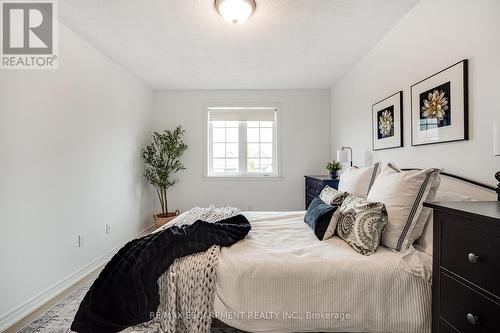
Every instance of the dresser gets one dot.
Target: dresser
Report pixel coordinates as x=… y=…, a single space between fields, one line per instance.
x=466 y=267
x=315 y=184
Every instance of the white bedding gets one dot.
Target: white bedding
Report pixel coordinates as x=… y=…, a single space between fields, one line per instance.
x=281 y=278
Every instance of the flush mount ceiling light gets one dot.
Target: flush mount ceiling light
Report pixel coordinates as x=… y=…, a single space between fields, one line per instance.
x=235 y=11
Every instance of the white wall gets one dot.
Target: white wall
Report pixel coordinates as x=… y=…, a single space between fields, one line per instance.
x=305 y=147
x=70 y=143
x=432 y=36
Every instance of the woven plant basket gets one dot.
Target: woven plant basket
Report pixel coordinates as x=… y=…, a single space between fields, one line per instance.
x=162 y=219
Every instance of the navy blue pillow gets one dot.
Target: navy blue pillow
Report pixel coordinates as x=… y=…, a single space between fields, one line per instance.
x=318 y=216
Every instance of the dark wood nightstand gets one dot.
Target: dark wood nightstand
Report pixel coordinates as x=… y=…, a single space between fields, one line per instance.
x=466 y=267
x=314 y=185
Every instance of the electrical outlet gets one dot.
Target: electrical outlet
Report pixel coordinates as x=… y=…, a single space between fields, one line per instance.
x=107 y=230
x=80 y=241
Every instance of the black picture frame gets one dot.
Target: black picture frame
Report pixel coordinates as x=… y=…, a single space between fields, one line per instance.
x=400 y=142
x=464 y=103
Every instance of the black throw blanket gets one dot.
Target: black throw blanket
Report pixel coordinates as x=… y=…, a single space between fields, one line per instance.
x=126 y=291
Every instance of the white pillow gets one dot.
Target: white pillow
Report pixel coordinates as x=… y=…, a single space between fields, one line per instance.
x=403 y=193
x=335 y=198
x=358 y=181
x=331 y=196
x=332 y=226
x=424 y=243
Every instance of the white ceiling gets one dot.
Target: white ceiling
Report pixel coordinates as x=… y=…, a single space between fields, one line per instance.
x=185 y=44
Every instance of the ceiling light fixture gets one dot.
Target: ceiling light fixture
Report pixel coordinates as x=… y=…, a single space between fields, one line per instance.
x=235 y=11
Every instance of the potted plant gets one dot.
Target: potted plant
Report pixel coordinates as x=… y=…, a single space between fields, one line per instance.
x=334 y=167
x=162 y=157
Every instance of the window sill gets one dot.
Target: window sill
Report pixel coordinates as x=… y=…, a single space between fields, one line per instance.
x=237 y=178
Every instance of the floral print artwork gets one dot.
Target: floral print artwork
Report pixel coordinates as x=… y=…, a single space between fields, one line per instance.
x=435 y=107
x=386 y=122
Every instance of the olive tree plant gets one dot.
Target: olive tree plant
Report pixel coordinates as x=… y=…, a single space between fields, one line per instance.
x=162 y=157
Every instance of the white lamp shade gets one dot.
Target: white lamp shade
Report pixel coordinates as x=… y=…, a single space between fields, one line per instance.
x=496 y=139
x=343 y=156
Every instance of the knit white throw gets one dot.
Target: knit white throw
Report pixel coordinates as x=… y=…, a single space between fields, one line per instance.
x=187 y=287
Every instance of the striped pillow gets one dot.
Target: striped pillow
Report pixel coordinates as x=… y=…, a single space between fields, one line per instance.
x=403 y=193
x=358 y=181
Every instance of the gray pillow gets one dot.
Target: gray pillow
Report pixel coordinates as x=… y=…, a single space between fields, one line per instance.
x=361 y=223
x=318 y=216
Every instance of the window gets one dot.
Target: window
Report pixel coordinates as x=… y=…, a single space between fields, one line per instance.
x=242 y=142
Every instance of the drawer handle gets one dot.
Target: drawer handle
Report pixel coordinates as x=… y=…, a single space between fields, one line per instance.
x=473 y=320
x=473 y=259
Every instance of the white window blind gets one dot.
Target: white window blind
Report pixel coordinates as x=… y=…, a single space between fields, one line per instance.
x=242 y=142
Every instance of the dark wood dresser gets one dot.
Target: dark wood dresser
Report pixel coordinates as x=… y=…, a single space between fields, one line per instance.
x=315 y=184
x=466 y=267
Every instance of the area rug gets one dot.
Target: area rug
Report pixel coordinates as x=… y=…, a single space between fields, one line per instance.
x=58 y=318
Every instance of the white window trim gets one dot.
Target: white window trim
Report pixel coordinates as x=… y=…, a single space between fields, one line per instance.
x=242 y=154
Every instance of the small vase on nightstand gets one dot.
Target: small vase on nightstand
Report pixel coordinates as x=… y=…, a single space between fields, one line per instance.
x=333 y=167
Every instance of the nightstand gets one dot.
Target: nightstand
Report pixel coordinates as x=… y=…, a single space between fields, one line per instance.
x=315 y=184
x=466 y=267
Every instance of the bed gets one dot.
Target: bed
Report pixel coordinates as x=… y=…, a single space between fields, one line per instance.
x=293 y=282
x=280 y=278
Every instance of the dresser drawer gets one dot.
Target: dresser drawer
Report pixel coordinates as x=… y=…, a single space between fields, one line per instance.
x=445 y=328
x=470 y=253
x=313 y=188
x=458 y=302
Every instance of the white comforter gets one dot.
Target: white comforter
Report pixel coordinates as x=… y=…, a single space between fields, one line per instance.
x=281 y=278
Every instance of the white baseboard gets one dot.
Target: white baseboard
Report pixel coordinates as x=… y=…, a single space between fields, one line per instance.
x=13 y=316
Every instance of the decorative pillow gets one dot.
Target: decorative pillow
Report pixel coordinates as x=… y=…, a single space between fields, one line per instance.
x=403 y=193
x=358 y=181
x=360 y=224
x=318 y=216
x=332 y=196
x=424 y=243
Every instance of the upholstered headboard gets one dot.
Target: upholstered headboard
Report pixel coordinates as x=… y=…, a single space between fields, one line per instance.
x=471 y=182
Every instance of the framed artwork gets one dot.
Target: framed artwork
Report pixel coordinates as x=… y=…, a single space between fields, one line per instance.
x=439 y=107
x=387 y=122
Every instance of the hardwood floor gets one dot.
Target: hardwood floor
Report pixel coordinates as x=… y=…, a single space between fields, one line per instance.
x=29 y=318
